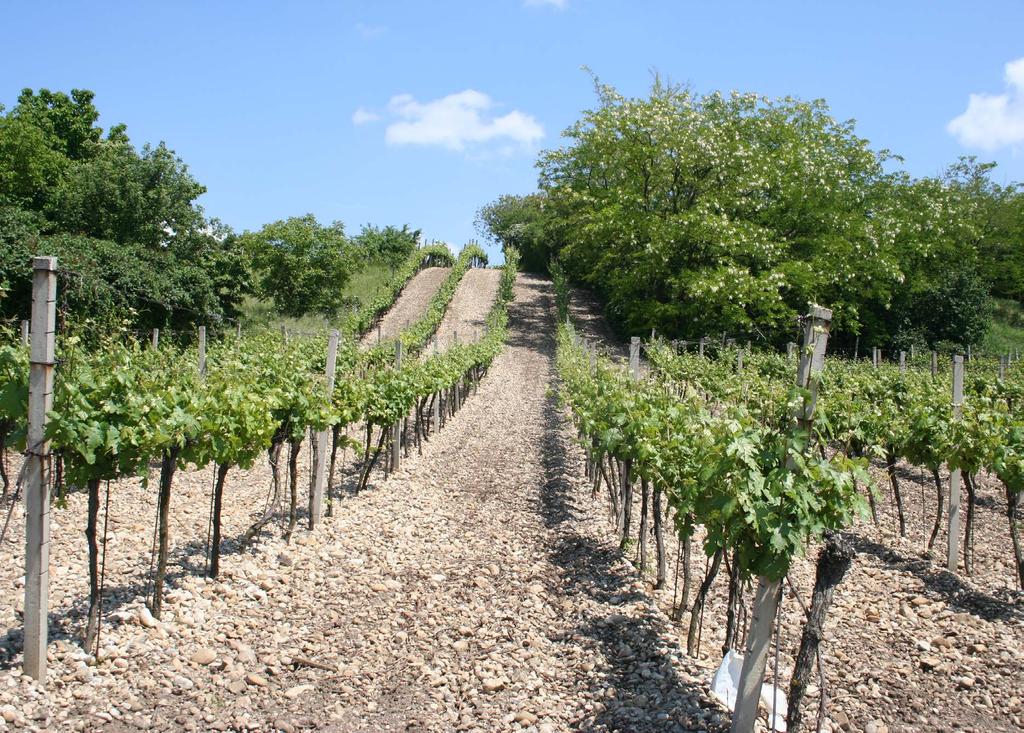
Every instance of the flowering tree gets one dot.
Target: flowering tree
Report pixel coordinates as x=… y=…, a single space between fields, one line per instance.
x=698 y=214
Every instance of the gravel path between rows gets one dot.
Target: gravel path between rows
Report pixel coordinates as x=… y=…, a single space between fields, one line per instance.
x=476 y=589
x=469 y=307
x=410 y=306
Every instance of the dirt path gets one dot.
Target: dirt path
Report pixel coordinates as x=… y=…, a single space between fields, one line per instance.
x=469 y=307
x=411 y=304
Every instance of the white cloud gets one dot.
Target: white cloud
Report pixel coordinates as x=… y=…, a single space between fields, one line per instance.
x=457 y=121
x=560 y=4
x=362 y=116
x=993 y=121
x=370 y=31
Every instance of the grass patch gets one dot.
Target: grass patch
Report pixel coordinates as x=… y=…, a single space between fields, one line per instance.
x=366 y=283
x=1006 y=332
x=362 y=287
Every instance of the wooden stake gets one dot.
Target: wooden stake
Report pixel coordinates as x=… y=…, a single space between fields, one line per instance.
x=952 y=556
x=202 y=352
x=766 y=599
x=436 y=417
x=37 y=473
x=25 y=330
x=935 y=364
x=634 y=357
x=903 y=362
x=396 y=429
x=155 y=338
x=323 y=436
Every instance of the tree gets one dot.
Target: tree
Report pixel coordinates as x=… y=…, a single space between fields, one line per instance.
x=389 y=244
x=701 y=214
x=123 y=196
x=529 y=224
x=302 y=265
x=134 y=246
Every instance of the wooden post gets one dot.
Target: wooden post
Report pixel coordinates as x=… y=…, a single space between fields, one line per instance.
x=739 y=360
x=935 y=364
x=968 y=352
x=202 y=352
x=634 y=357
x=790 y=349
x=284 y=333
x=25 y=331
x=155 y=338
x=323 y=437
x=396 y=429
x=769 y=591
x=952 y=556
x=903 y=362
x=238 y=329
x=856 y=347
x=700 y=346
x=1002 y=368
x=37 y=473
x=436 y=417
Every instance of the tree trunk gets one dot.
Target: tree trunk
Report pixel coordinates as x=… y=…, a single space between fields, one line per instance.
x=644 y=511
x=684 y=599
x=274 y=459
x=168 y=465
x=939 y=494
x=833 y=561
x=92 y=623
x=1012 y=507
x=890 y=467
x=969 y=523
x=3 y=465
x=218 y=505
x=732 y=612
x=626 y=508
x=58 y=478
x=698 y=603
x=335 y=433
x=294 y=446
x=659 y=541
x=610 y=480
x=365 y=477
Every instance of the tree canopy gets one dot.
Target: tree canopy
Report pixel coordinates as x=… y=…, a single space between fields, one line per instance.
x=701 y=214
x=134 y=245
x=389 y=245
x=303 y=266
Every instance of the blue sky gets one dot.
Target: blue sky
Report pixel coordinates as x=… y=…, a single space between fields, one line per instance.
x=421 y=112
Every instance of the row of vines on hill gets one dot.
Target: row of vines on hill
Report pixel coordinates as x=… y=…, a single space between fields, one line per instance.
x=122 y=407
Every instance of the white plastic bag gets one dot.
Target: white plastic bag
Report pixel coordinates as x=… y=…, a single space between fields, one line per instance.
x=781 y=706
x=726 y=682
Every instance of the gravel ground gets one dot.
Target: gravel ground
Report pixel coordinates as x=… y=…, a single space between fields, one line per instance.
x=469 y=307
x=476 y=589
x=411 y=304
x=909 y=646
